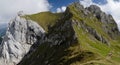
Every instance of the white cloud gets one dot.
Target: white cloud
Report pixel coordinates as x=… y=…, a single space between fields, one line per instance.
x=9 y=8
x=59 y=10
x=111 y=7
x=62 y=9
x=86 y=3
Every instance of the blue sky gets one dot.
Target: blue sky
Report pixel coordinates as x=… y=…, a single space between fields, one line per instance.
x=100 y=1
x=59 y=3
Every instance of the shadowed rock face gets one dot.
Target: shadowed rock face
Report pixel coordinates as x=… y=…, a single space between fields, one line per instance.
x=0 y=40
x=20 y=35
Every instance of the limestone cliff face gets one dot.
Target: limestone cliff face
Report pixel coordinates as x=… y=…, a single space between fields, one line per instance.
x=20 y=36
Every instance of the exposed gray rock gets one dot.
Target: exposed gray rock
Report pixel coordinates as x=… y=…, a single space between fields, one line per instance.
x=20 y=36
x=97 y=35
x=92 y=31
x=94 y=9
x=79 y=6
x=62 y=32
x=110 y=26
x=20 y=13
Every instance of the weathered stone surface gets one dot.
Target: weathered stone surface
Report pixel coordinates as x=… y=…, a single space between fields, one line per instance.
x=62 y=32
x=92 y=31
x=20 y=36
x=110 y=26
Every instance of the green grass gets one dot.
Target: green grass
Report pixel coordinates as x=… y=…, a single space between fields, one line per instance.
x=87 y=42
x=91 y=44
x=89 y=20
x=45 y=19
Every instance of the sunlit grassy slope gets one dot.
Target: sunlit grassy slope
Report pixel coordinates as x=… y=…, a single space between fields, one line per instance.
x=95 y=46
x=87 y=51
x=45 y=19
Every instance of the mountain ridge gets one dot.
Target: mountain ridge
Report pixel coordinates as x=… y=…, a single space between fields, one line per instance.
x=79 y=37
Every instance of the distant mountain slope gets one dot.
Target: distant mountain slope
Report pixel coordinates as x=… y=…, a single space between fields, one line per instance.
x=2 y=31
x=3 y=28
x=81 y=36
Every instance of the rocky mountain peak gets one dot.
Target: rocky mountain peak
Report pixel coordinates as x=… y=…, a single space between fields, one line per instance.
x=94 y=9
x=107 y=19
x=20 y=36
x=20 y=13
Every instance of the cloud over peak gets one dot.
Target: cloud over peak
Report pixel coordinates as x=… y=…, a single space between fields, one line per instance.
x=28 y=6
x=61 y=9
x=9 y=8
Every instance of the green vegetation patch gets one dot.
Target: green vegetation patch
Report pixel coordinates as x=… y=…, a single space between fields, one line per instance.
x=45 y=19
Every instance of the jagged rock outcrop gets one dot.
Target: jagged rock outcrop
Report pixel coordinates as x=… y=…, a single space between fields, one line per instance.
x=20 y=36
x=110 y=26
x=92 y=31
x=93 y=9
x=65 y=33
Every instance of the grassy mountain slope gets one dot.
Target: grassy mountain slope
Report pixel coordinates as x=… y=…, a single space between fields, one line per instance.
x=45 y=19
x=92 y=45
